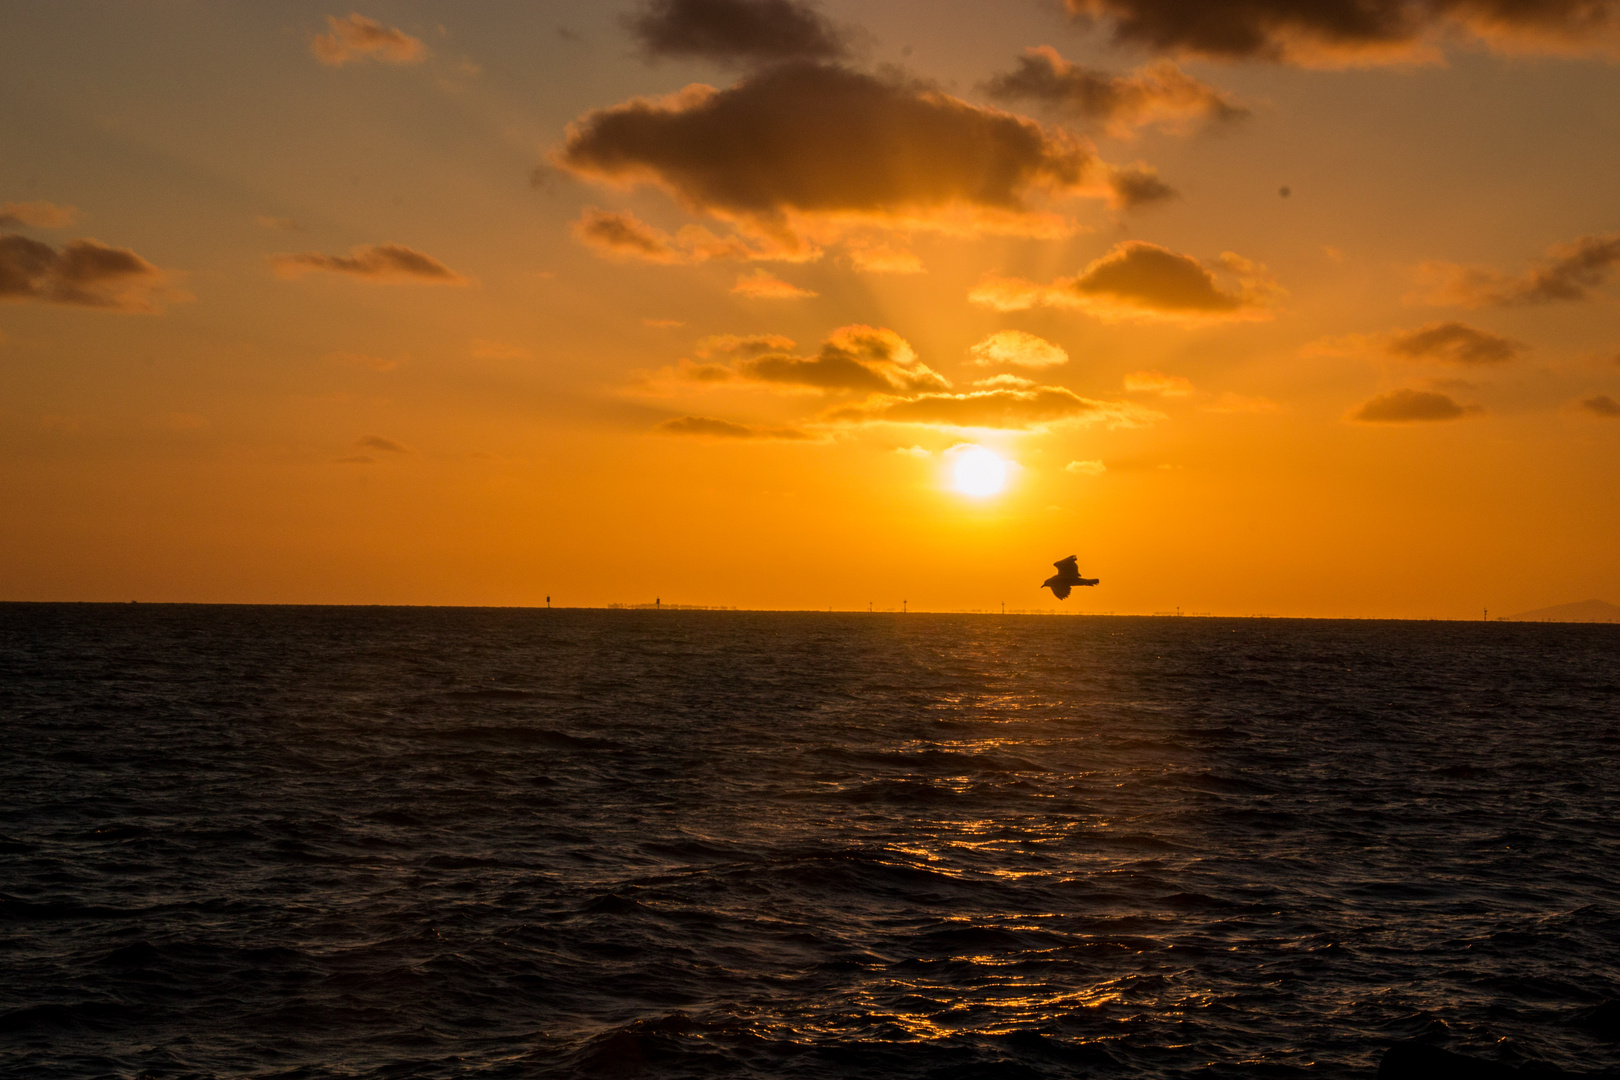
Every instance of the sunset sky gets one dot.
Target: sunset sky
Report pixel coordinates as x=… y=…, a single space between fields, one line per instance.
x=1295 y=307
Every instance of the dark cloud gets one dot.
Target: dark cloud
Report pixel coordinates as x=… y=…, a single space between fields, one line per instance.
x=86 y=273
x=1009 y=409
x=725 y=429
x=1159 y=94
x=1602 y=405
x=382 y=263
x=377 y=442
x=803 y=145
x=39 y=215
x=1568 y=272
x=736 y=31
x=1135 y=187
x=1338 y=32
x=1409 y=406
x=1141 y=280
x=860 y=359
x=1454 y=342
x=359 y=38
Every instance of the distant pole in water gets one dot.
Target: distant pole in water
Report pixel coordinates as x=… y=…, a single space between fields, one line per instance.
x=1004 y=607
x=902 y=607
x=1487 y=614
x=658 y=603
x=548 y=603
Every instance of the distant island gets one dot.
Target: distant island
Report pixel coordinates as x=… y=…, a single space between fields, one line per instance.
x=1584 y=611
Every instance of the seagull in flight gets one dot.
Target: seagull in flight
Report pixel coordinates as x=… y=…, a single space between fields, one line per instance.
x=1066 y=578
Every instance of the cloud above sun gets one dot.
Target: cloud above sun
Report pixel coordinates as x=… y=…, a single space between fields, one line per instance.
x=1409 y=406
x=802 y=154
x=1016 y=348
x=1143 y=281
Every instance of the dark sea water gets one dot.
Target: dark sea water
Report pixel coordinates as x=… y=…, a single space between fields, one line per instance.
x=313 y=842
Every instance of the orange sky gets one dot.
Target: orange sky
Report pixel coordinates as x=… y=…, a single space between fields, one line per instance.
x=1271 y=312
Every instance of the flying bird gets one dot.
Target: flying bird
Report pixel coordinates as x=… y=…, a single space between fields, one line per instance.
x=1066 y=578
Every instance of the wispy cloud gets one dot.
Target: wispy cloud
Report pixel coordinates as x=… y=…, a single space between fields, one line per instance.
x=38 y=215
x=1159 y=94
x=1017 y=348
x=709 y=427
x=763 y=285
x=380 y=263
x=84 y=273
x=356 y=37
x=1568 y=272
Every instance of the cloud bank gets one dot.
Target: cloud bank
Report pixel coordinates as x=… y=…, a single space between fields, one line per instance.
x=83 y=273
x=1138 y=280
x=379 y=263
x=763 y=285
x=736 y=31
x=853 y=359
x=1336 y=33
x=359 y=38
x=709 y=427
x=1006 y=409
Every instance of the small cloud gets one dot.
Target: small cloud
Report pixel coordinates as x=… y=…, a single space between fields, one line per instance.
x=1568 y=272
x=359 y=38
x=1602 y=405
x=1086 y=468
x=379 y=263
x=763 y=285
x=912 y=452
x=484 y=349
x=1157 y=382
x=882 y=257
x=38 y=215
x=709 y=427
x=1411 y=406
x=281 y=223
x=736 y=31
x=1333 y=254
x=1018 y=349
x=83 y=273
x=1138 y=280
x=1229 y=402
x=1136 y=187
x=1453 y=342
x=377 y=442
x=1160 y=94
x=366 y=360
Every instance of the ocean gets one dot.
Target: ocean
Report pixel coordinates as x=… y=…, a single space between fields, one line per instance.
x=417 y=842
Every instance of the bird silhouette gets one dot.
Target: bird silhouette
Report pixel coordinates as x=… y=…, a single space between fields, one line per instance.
x=1066 y=578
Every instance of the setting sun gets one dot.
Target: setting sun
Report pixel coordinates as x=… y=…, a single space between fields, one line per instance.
x=979 y=472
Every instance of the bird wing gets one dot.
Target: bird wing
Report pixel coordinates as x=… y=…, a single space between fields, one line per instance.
x=1068 y=566
x=1060 y=589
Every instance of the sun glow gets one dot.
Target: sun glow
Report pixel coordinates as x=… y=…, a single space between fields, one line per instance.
x=979 y=472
